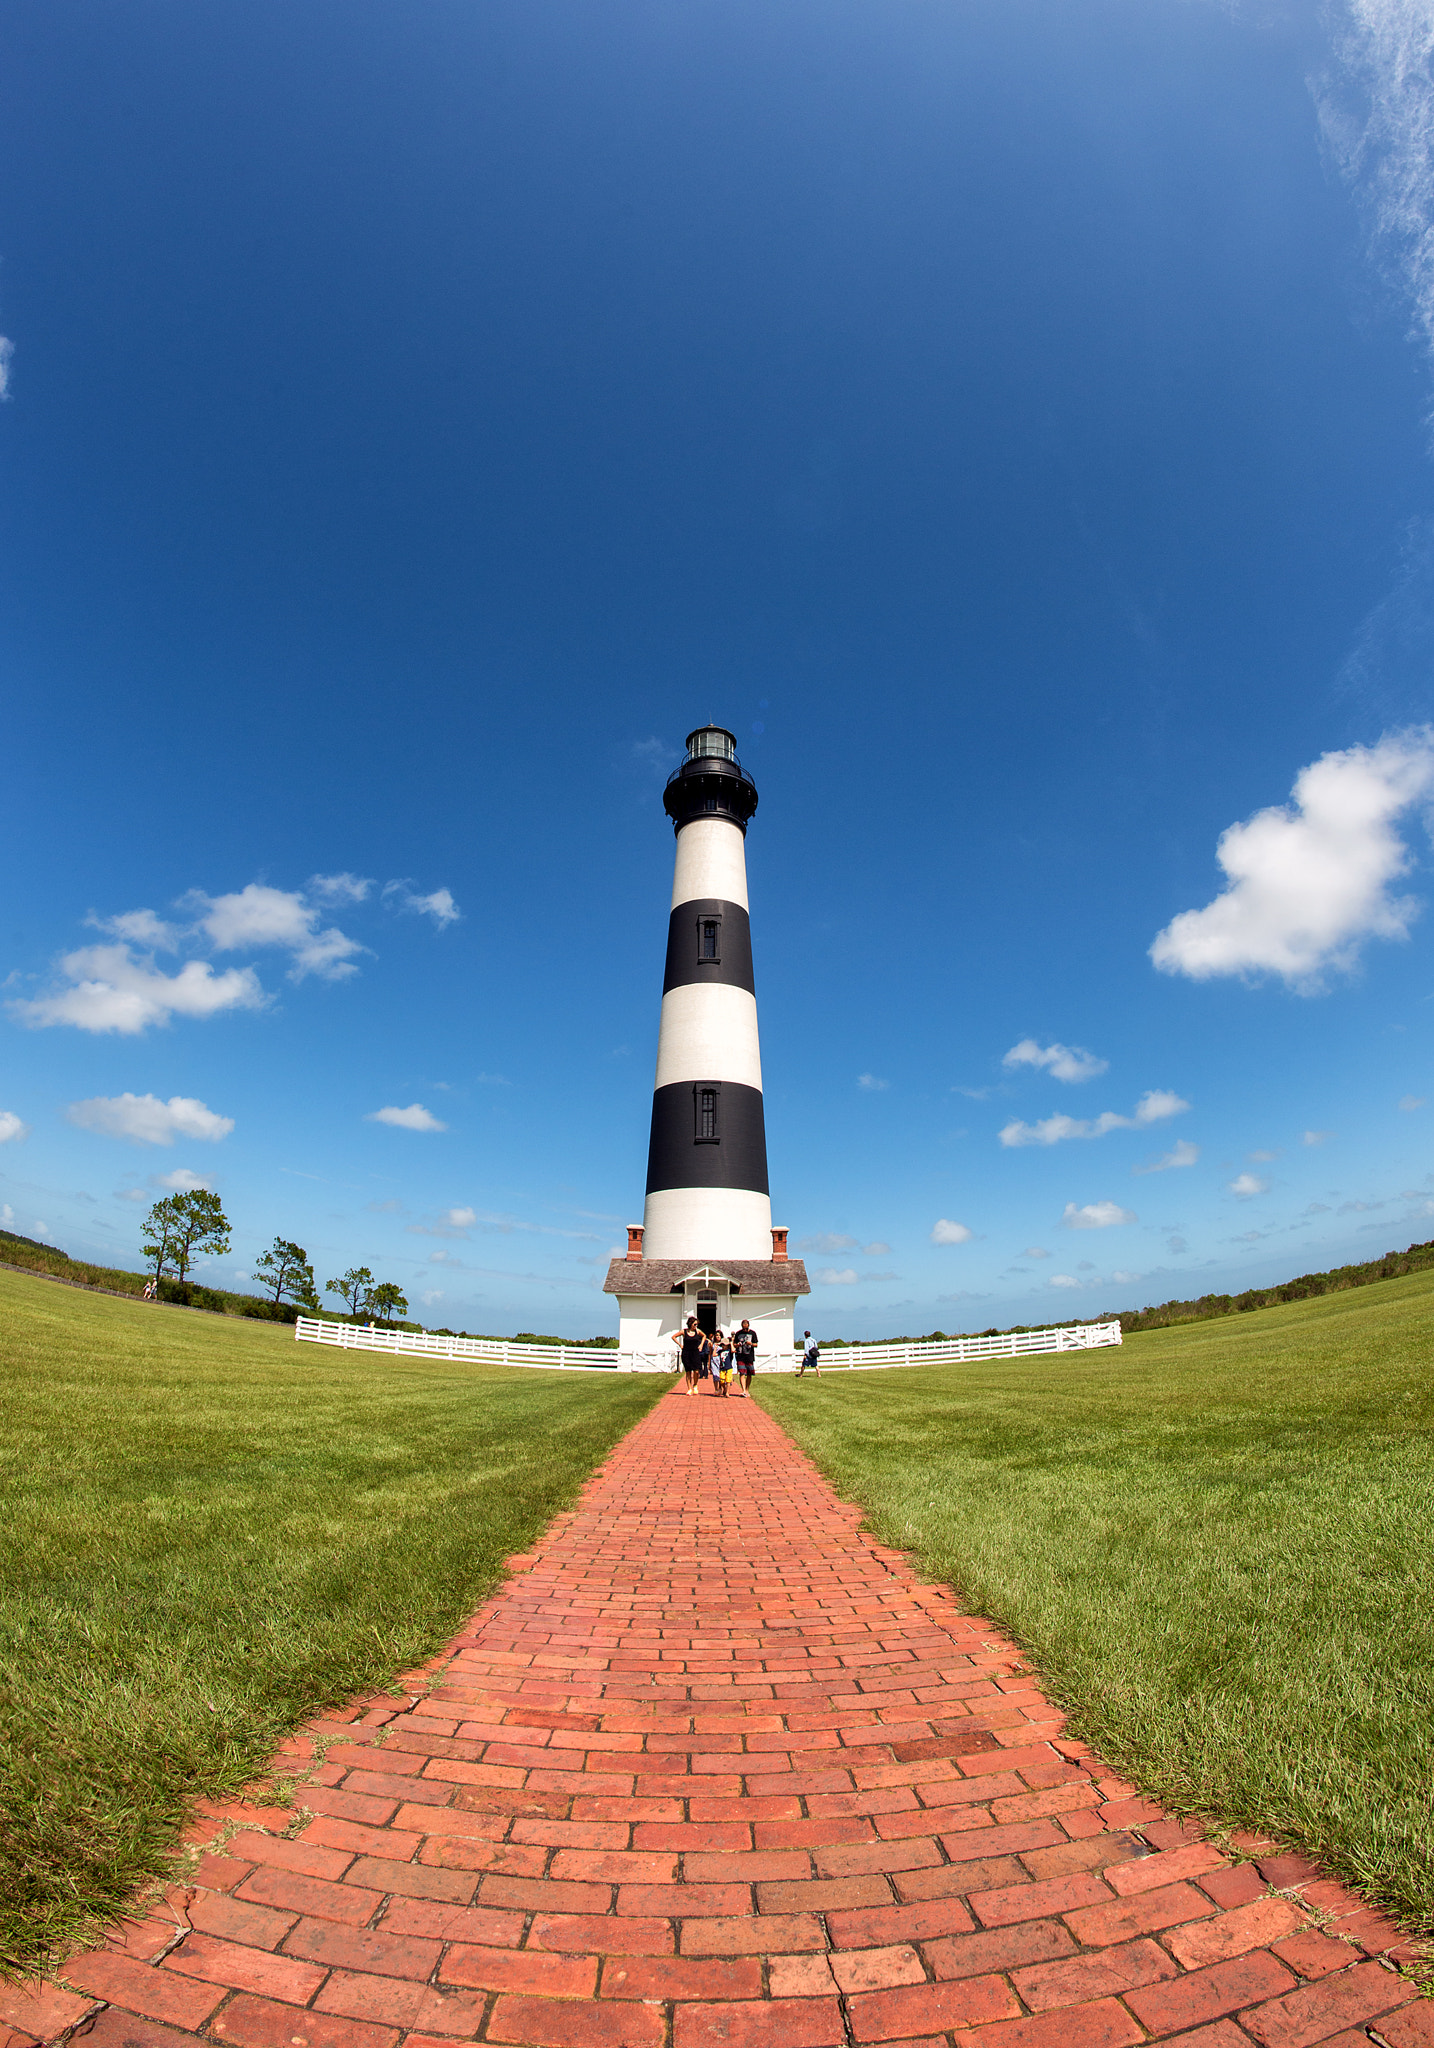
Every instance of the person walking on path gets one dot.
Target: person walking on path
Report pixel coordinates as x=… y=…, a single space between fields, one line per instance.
x=811 y=1355
x=744 y=1353
x=722 y=1364
x=692 y=1346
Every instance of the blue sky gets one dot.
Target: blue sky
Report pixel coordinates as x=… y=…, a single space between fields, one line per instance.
x=1014 y=422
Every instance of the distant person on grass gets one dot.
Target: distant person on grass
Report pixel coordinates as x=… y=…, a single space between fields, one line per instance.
x=744 y=1351
x=692 y=1346
x=811 y=1355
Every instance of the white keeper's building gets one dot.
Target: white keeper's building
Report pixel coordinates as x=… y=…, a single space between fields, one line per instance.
x=706 y=1246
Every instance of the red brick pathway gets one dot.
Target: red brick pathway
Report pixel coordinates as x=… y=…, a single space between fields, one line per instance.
x=715 y=1768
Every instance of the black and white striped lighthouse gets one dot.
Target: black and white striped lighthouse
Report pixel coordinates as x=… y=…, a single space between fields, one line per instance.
x=706 y=1232
x=707 y=1191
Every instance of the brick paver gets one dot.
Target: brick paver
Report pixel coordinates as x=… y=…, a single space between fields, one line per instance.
x=713 y=1767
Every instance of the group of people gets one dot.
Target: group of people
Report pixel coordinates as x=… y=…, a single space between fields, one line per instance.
x=716 y=1355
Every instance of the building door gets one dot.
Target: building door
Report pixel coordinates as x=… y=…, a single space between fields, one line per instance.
x=707 y=1312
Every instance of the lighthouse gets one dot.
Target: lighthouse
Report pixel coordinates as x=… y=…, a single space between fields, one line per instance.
x=706 y=1245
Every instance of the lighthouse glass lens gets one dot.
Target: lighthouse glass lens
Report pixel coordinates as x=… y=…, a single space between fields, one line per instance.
x=711 y=745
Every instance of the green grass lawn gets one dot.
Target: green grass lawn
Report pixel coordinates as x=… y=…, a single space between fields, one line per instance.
x=1215 y=1544
x=207 y=1531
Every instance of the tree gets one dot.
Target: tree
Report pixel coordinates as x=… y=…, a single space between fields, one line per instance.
x=353 y=1288
x=285 y=1267
x=198 y=1225
x=389 y=1301
x=160 y=1226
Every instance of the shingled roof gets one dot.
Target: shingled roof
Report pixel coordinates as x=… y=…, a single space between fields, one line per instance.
x=747 y=1276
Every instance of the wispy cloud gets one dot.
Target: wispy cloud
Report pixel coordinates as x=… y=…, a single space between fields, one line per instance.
x=1181 y=1153
x=876 y=1249
x=827 y=1241
x=1376 y=113
x=1315 y=1137
x=12 y=1127
x=1412 y=1102
x=414 y=1118
x=1035 y=1251
x=1096 y=1216
x=1062 y=1062
x=830 y=1276
x=1153 y=1108
x=1309 y=881
x=1245 y=1185
x=7 y=350
x=145 y=1120
x=437 y=904
x=872 y=1083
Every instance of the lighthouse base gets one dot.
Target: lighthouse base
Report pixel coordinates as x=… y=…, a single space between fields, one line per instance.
x=656 y=1296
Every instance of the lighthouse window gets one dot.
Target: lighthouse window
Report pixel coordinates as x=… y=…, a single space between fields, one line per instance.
x=705 y=1099
x=709 y=939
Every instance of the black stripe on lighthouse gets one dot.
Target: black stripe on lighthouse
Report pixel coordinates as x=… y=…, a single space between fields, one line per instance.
x=709 y=941
x=707 y=1134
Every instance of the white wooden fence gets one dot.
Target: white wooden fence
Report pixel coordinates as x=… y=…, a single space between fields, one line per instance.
x=585 y=1358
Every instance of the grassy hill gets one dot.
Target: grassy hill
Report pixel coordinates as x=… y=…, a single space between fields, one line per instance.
x=1214 y=1543
x=207 y=1531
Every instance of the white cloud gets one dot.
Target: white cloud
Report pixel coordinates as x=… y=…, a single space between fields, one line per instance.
x=147 y=1120
x=830 y=1277
x=1063 y=1280
x=1062 y=1062
x=1412 y=1101
x=1181 y=1153
x=876 y=1249
x=827 y=1241
x=7 y=1214
x=139 y=928
x=414 y=1118
x=110 y=990
x=1316 y=1137
x=7 y=350
x=1124 y=1279
x=438 y=904
x=130 y=1195
x=343 y=888
x=946 y=1232
x=1096 y=1216
x=1035 y=1251
x=430 y=1295
x=460 y=1219
x=1246 y=1184
x=11 y=1127
x=1153 y=1108
x=1309 y=883
x=872 y=1083
x=257 y=916
x=182 y=1181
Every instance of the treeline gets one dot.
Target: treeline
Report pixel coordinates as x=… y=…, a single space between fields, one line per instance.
x=1306 y=1287
x=284 y=1267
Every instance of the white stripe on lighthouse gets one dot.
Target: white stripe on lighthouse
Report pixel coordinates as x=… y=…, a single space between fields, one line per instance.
x=706 y=1223
x=708 y=1033
x=711 y=861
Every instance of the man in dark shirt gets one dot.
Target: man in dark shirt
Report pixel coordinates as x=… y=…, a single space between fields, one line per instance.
x=744 y=1348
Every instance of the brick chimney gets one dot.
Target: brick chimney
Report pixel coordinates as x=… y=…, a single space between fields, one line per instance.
x=779 y=1246
x=634 y=1241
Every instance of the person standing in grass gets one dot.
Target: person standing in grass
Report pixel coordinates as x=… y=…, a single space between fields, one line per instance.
x=692 y=1346
x=811 y=1355
x=744 y=1352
